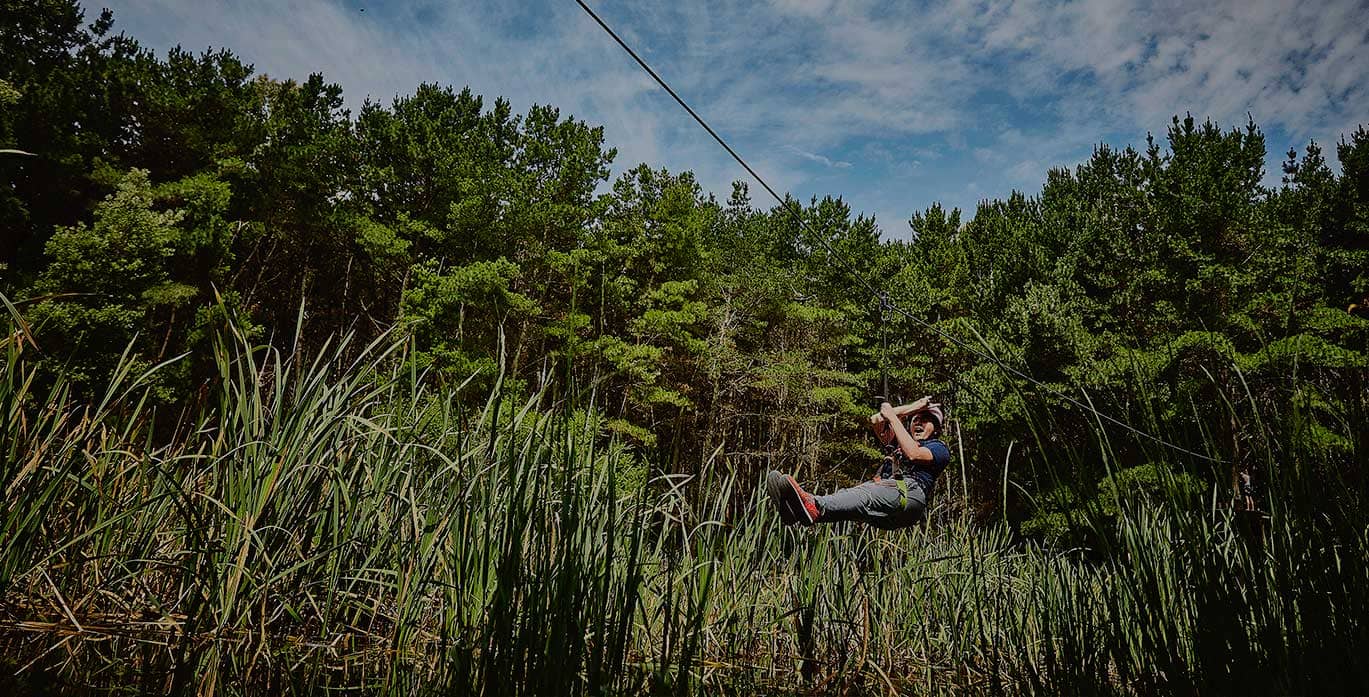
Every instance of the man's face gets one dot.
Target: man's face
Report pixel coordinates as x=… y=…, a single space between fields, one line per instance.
x=921 y=426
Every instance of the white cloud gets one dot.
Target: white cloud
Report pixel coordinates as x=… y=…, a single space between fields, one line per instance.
x=1027 y=175
x=1287 y=63
x=820 y=159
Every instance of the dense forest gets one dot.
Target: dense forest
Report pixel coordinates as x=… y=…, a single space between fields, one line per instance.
x=152 y=206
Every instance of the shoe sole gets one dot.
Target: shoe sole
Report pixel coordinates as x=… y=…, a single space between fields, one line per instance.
x=776 y=484
x=788 y=492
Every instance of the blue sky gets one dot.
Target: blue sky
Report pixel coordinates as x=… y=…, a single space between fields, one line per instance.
x=890 y=105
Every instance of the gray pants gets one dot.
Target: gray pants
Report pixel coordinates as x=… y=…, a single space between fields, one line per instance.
x=880 y=504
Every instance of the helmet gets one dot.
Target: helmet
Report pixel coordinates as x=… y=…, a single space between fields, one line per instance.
x=933 y=409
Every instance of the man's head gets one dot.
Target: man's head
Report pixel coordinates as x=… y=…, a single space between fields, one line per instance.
x=926 y=422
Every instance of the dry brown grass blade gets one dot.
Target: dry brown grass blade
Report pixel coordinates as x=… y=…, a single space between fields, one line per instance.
x=25 y=333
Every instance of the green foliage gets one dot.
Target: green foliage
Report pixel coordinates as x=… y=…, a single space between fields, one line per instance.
x=459 y=314
x=9 y=96
x=140 y=277
x=1063 y=518
x=1149 y=485
x=128 y=245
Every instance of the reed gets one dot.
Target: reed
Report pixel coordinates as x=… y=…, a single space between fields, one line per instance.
x=329 y=522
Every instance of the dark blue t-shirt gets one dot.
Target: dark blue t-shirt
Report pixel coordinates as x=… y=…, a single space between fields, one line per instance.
x=924 y=472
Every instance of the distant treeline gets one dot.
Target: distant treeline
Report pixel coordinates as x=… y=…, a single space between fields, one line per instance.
x=168 y=194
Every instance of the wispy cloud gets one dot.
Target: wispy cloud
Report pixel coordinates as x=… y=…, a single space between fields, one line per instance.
x=1128 y=64
x=820 y=159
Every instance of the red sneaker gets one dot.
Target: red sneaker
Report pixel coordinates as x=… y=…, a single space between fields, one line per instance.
x=801 y=502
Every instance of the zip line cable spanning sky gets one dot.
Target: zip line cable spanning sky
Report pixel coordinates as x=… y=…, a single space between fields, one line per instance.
x=855 y=273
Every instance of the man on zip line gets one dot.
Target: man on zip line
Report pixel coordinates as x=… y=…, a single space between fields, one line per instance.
x=898 y=495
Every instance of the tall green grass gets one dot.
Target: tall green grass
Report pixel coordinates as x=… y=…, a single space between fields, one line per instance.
x=328 y=522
